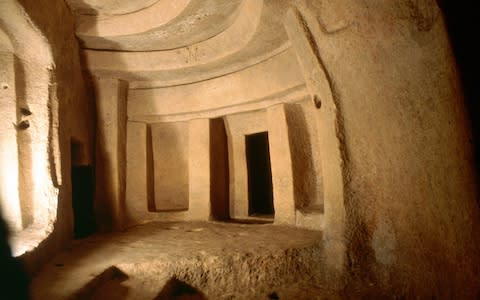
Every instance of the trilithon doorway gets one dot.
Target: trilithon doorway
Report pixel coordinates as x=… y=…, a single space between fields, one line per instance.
x=260 y=190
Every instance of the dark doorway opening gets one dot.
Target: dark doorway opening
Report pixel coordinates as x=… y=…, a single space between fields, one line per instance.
x=219 y=173
x=260 y=190
x=82 y=194
x=82 y=200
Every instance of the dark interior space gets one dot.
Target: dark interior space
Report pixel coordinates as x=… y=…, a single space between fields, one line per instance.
x=219 y=172
x=462 y=20
x=150 y=174
x=260 y=191
x=82 y=201
x=15 y=282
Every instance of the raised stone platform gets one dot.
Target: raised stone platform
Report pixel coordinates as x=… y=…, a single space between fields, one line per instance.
x=220 y=260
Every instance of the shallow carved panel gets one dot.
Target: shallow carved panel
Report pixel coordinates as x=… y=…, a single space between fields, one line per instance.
x=170 y=166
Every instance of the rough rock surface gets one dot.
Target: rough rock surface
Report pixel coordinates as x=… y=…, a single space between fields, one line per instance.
x=223 y=261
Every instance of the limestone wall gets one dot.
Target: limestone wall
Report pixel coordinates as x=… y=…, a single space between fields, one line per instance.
x=53 y=107
x=367 y=128
x=160 y=163
x=378 y=156
x=411 y=216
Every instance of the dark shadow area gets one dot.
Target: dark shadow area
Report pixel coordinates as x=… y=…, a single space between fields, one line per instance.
x=219 y=172
x=176 y=289
x=252 y=221
x=260 y=190
x=150 y=171
x=14 y=282
x=106 y=285
x=463 y=18
x=82 y=201
x=273 y=295
x=82 y=194
x=304 y=177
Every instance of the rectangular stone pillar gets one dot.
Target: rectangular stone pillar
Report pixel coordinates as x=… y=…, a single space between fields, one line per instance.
x=111 y=101
x=238 y=178
x=138 y=181
x=281 y=164
x=199 y=169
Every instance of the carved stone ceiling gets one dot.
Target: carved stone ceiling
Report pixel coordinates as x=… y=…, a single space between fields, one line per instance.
x=163 y=42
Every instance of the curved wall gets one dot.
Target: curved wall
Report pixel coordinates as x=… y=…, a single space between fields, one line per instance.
x=375 y=88
x=393 y=161
x=412 y=218
x=51 y=109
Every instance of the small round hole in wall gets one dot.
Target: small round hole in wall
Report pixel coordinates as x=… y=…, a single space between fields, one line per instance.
x=317 y=102
x=4 y=86
x=25 y=111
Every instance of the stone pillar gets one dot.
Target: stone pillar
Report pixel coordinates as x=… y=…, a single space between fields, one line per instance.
x=281 y=164
x=238 y=178
x=138 y=180
x=9 y=189
x=329 y=130
x=111 y=96
x=311 y=120
x=199 y=169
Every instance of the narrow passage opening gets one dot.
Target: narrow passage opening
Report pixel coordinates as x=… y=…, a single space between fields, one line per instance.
x=260 y=190
x=82 y=195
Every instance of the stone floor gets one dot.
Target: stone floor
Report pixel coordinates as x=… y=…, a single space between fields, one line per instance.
x=220 y=260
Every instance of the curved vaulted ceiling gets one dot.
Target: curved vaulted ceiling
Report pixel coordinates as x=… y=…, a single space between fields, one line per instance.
x=164 y=25
x=161 y=43
x=108 y=7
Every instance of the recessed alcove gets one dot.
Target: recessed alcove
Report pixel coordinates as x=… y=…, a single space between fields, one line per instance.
x=170 y=166
x=307 y=174
x=221 y=168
